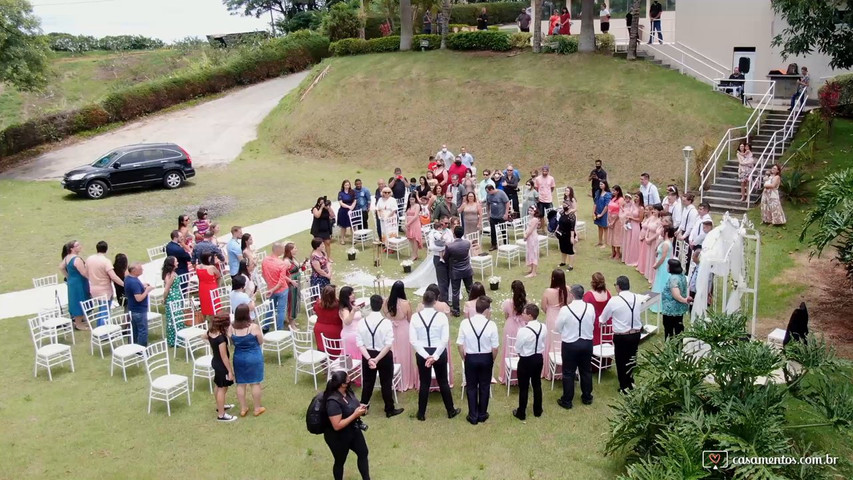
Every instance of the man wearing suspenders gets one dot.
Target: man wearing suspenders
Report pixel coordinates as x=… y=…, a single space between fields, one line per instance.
x=429 y=333
x=530 y=345
x=374 y=338
x=624 y=310
x=478 y=344
x=575 y=324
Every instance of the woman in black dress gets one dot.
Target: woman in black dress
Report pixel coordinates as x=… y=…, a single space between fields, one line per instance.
x=321 y=226
x=567 y=236
x=223 y=371
x=120 y=267
x=345 y=426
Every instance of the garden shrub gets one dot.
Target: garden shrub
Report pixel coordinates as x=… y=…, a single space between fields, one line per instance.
x=434 y=41
x=341 y=22
x=385 y=44
x=521 y=40
x=458 y=27
x=844 y=86
x=480 y=40
x=348 y=46
x=604 y=43
x=562 y=44
x=494 y=28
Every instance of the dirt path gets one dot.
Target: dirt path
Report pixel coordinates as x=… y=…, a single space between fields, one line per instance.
x=213 y=132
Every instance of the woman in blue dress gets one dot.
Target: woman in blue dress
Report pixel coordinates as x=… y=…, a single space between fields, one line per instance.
x=248 y=358
x=674 y=299
x=346 y=197
x=73 y=268
x=602 y=200
x=663 y=254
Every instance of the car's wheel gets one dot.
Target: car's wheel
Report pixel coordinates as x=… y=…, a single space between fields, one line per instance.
x=96 y=189
x=173 y=179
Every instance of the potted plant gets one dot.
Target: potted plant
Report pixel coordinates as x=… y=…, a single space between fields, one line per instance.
x=351 y=253
x=494 y=283
x=407 y=266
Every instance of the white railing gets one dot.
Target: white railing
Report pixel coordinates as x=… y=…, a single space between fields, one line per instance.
x=700 y=54
x=680 y=58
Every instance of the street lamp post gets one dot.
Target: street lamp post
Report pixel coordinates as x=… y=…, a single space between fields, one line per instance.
x=688 y=152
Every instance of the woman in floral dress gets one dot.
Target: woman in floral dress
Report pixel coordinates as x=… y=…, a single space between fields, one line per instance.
x=172 y=287
x=771 y=204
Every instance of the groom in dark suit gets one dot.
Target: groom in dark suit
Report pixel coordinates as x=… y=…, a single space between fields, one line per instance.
x=458 y=258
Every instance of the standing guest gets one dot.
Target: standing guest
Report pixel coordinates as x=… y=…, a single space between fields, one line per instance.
x=467 y=159
x=423 y=190
x=101 y=273
x=329 y=322
x=439 y=238
x=513 y=309
x=651 y=239
x=697 y=234
x=615 y=227
x=745 y=164
x=530 y=346
x=386 y=210
x=458 y=170
x=445 y=156
x=184 y=225
x=172 y=288
x=295 y=269
x=472 y=214
x=604 y=17
x=440 y=207
x=482 y=20
x=377 y=195
x=251 y=289
x=413 y=226
x=345 y=432
x=275 y=272
x=624 y=217
x=598 y=297
x=203 y=221
x=523 y=21
x=566 y=22
x=674 y=299
x=321 y=265
x=509 y=184
x=438 y=306
x=635 y=216
x=596 y=176
x=362 y=201
x=321 y=225
x=398 y=185
x=802 y=84
x=176 y=249
x=662 y=257
x=73 y=268
x=690 y=215
x=429 y=334
x=469 y=185
x=530 y=197
x=554 y=23
x=654 y=16
x=246 y=245
x=223 y=371
x=457 y=254
x=624 y=311
x=478 y=344
x=248 y=359
x=399 y=311
x=486 y=181
x=497 y=177
x=238 y=295
x=440 y=173
x=567 y=236
x=642 y=248
x=346 y=202
x=120 y=267
x=650 y=192
x=569 y=199
x=451 y=191
x=771 y=205
x=602 y=201
x=553 y=299
x=207 y=245
x=208 y=280
x=137 y=303
x=350 y=315
x=498 y=211
x=470 y=307
x=546 y=186
x=427 y=22
x=531 y=239
x=235 y=253
x=672 y=204
x=576 y=325
x=375 y=339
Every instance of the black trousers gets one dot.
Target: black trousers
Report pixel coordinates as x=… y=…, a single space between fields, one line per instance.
x=440 y=367
x=530 y=372
x=454 y=290
x=493 y=222
x=378 y=227
x=625 y=346
x=672 y=325
x=385 y=369
x=513 y=197
x=340 y=443
x=478 y=383
x=442 y=275
x=577 y=356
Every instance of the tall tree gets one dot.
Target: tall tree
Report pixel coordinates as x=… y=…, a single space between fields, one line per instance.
x=634 y=33
x=23 y=50
x=537 y=25
x=587 y=39
x=445 y=22
x=406 y=25
x=822 y=25
x=256 y=8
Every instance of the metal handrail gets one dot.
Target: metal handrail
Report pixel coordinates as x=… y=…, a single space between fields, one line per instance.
x=681 y=63
x=674 y=45
x=688 y=47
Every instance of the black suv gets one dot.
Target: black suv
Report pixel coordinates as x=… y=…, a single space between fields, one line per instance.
x=133 y=166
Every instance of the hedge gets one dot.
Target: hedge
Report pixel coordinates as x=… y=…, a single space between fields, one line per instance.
x=293 y=53
x=480 y=40
x=845 y=99
x=568 y=44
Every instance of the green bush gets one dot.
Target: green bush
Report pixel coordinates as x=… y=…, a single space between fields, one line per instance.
x=372 y=25
x=341 y=22
x=433 y=39
x=390 y=43
x=499 y=12
x=480 y=40
x=845 y=100
x=604 y=43
x=562 y=44
x=310 y=20
x=494 y=28
x=457 y=27
x=348 y=46
x=521 y=40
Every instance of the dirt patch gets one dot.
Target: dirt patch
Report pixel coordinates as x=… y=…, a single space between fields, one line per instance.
x=827 y=298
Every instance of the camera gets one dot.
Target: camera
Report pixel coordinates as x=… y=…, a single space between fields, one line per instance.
x=359 y=424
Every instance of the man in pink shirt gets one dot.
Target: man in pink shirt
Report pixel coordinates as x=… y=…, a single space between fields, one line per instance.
x=275 y=273
x=545 y=185
x=101 y=273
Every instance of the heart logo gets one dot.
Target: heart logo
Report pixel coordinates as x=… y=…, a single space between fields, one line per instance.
x=714 y=458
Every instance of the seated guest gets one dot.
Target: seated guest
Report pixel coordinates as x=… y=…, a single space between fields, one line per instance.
x=575 y=325
x=530 y=345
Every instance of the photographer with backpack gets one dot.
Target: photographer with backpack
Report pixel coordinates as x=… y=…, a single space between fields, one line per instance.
x=343 y=432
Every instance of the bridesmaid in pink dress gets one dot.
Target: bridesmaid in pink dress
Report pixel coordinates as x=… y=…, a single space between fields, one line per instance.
x=444 y=308
x=641 y=246
x=636 y=215
x=399 y=311
x=652 y=240
x=413 y=226
x=512 y=308
x=350 y=316
x=615 y=227
x=470 y=307
x=598 y=298
x=553 y=299
x=531 y=237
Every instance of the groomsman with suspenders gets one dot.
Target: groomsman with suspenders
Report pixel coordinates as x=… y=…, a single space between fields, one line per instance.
x=530 y=345
x=624 y=310
x=575 y=324
x=429 y=333
x=478 y=344
x=374 y=338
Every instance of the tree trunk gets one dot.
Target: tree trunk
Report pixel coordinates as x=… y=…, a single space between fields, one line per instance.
x=362 y=17
x=634 y=31
x=587 y=39
x=537 y=25
x=445 y=12
x=405 y=25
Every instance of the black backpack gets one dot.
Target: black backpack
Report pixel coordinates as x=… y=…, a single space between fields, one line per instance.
x=316 y=419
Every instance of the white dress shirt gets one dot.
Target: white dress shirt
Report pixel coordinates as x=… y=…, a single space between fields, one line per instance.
x=576 y=321
x=651 y=196
x=697 y=233
x=375 y=332
x=467 y=159
x=526 y=343
x=438 y=240
x=447 y=157
x=436 y=336
x=619 y=309
x=478 y=325
x=676 y=210
x=689 y=217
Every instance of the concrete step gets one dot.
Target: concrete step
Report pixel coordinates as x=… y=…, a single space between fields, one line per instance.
x=718 y=208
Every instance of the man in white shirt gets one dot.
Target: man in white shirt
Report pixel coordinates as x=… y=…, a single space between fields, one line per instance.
x=445 y=155
x=530 y=345
x=439 y=237
x=624 y=311
x=467 y=159
x=478 y=344
x=697 y=233
x=429 y=333
x=374 y=337
x=650 y=193
x=673 y=205
x=576 y=324
x=689 y=216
